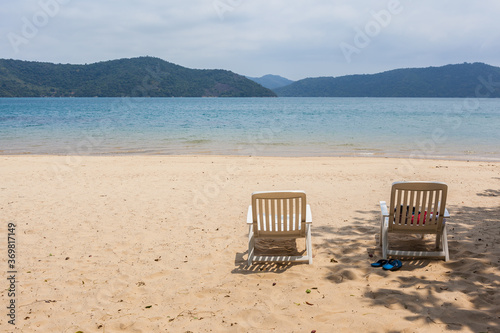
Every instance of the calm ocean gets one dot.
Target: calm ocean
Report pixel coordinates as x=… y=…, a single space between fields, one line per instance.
x=402 y=127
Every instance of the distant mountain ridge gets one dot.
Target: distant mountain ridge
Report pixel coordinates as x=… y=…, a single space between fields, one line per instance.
x=460 y=80
x=271 y=81
x=135 y=77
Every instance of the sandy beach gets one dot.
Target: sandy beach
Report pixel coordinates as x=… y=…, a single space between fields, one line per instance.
x=159 y=244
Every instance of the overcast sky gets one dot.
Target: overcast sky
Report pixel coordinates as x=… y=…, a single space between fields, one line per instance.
x=292 y=38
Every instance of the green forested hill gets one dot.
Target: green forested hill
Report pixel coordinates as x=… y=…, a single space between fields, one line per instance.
x=462 y=80
x=136 y=77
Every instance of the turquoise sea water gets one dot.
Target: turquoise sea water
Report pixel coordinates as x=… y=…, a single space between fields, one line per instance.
x=403 y=127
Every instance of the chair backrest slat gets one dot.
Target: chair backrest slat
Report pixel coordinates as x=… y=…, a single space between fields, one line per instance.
x=417 y=206
x=428 y=208
x=425 y=201
x=269 y=214
x=296 y=222
x=286 y=216
x=260 y=215
x=279 y=214
x=434 y=216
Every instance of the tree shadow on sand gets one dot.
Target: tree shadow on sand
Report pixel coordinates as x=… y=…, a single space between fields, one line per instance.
x=471 y=276
x=490 y=193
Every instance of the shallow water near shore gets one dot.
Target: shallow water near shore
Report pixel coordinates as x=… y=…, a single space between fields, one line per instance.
x=386 y=127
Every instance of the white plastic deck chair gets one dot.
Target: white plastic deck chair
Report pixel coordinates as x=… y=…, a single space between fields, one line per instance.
x=279 y=215
x=416 y=208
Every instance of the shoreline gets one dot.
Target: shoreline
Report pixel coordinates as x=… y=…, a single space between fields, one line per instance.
x=353 y=155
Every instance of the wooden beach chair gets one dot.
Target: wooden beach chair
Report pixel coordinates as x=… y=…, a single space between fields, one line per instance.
x=415 y=208
x=279 y=215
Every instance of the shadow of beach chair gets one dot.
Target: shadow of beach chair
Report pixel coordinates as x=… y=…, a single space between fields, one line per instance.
x=415 y=208
x=279 y=215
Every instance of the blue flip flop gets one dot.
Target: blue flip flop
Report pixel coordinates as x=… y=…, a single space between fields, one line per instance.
x=393 y=265
x=380 y=263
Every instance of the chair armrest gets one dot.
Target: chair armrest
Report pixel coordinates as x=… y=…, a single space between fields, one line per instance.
x=249 y=215
x=383 y=209
x=446 y=213
x=309 y=218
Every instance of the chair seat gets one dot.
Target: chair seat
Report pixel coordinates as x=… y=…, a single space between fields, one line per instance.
x=279 y=215
x=415 y=197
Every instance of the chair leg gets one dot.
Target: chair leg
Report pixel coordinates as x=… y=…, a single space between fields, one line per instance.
x=385 y=242
x=439 y=236
x=251 y=245
x=381 y=227
x=309 y=244
x=445 y=244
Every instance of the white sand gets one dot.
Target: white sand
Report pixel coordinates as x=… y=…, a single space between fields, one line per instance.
x=158 y=244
